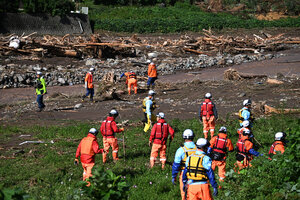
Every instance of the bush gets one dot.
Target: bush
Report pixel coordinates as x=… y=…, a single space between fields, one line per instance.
x=106 y=185
x=53 y=7
x=9 y=5
x=17 y=194
x=180 y=18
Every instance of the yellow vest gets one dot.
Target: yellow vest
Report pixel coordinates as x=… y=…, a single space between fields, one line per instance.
x=153 y=104
x=187 y=153
x=241 y=119
x=195 y=169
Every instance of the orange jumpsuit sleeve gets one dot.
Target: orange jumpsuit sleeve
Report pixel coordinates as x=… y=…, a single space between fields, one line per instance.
x=86 y=77
x=171 y=131
x=280 y=148
x=78 y=150
x=213 y=141
x=152 y=133
x=248 y=145
x=230 y=145
x=96 y=147
x=149 y=69
x=115 y=128
x=102 y=128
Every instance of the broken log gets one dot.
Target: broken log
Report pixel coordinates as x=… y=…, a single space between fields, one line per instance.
x=269 y=109
x=233 y=75
x=194 y=51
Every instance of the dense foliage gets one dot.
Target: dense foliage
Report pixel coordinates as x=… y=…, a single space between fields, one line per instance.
x=178 y=18
x=46 y=170
x=53 y=7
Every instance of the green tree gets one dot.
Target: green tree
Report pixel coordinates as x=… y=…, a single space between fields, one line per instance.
x=53 y=7
x=9 y=5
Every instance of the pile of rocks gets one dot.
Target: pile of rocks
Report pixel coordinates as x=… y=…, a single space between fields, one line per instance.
x=13 y=75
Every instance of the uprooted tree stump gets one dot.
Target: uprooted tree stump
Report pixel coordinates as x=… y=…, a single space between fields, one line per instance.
x=233 y=75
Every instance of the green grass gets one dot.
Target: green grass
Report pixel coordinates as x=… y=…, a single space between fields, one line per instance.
x=46 y=171
x=179 y=18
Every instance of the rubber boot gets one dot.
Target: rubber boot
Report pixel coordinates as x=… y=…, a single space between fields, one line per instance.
x=148 y=87
x=152 y=163
x=115 y=156
x=212 y=132
x=205 y=134
x=104 y=157
x=163 y=164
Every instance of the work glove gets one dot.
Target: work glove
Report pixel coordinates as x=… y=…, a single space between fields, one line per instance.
x=121 y=129
x=215 y=191
x=76 y=161
x=174 y=181
x=150 y=143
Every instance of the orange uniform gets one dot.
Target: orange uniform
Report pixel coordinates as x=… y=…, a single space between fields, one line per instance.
x=159 y=134
x=243 y=155
x=152 y=71
x=208 y=115
x=220 y=144
x=108 y=129
x=131 y=81
x=277 y=146
x=89 y=80
x=87 y=149
x=240 y=131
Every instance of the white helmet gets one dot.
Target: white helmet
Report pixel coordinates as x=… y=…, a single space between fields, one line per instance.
x=39 y=73
x=247 y=102
x=280 y=135
x=208 y=95
x=148 y=61
x=223 y=129
x=246 y=132
x=245 y=123
x=93 y=131
x=92 y=69
x=188 y=134
x=114 y=112
x=151 y=92
x=161 y=115
x=202 y=142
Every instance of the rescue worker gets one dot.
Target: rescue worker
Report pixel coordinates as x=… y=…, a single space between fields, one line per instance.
x=88 y=84
x=219 y=145
x=159 y=136
x=87 y=150
x=152 y=75
x=131 y=81
x=181 y=155
x=279 y=144
x=40 y=90
x=245 y=112
x=197 y=172
x=108 y=130
x=208 y=115
x=149 y=106
x=245 y=151
x=245 y=125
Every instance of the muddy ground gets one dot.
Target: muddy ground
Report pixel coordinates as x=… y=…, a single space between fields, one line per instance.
x=178 y=95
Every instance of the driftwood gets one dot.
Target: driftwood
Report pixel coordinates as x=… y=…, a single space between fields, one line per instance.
x=194 y=51
x=269 y=109
x=232 y=74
